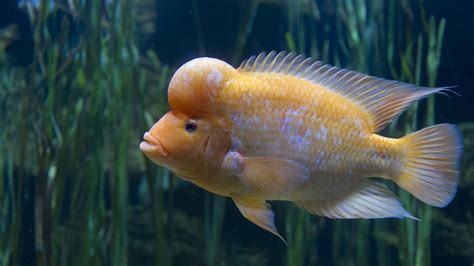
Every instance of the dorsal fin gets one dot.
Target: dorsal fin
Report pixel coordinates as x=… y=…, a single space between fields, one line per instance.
x=383 y=99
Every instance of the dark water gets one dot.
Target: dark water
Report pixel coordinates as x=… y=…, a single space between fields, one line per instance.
x=80 y=81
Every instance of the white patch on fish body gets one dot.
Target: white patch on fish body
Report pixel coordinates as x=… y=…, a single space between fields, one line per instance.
x=238 y=121
x=324 y=132
x=288 y=126
x=286 y=123
x=214 y=78
x=320 y=160
x=236 y=144
x=318 y=136
x=301 y=141
x=374 y=157
x=185 y=79
x=298 y=112
x=300 y=122
x=358 y=125
x=254 y=121
x=267 y=103
x=248 y=100
x=292 y=112
x=293 y=129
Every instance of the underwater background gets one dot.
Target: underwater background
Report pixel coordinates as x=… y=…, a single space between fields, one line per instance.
x=81 y=80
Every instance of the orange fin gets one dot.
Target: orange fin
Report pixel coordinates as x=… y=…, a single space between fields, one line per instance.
x=431 y=166
x=271 y=176
x=383 y=99
x=258 y=212
x=369 y=199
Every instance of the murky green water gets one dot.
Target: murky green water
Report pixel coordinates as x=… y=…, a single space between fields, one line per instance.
x=82 y=80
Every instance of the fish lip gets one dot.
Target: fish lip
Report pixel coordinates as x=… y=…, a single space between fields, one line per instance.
x=151 y=144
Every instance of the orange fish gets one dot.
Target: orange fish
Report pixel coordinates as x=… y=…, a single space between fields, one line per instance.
x=285 y=127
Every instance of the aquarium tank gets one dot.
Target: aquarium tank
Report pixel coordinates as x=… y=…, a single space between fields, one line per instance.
x=82 y=80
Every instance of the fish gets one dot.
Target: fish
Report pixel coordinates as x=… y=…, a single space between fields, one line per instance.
x=285 y=127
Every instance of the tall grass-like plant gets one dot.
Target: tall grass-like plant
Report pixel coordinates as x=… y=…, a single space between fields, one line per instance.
x=69 y=121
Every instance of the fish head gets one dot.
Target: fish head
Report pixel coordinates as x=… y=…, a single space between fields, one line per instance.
x=191 y=139
x=176 y=142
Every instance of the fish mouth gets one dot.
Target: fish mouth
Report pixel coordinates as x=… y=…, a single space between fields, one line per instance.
x=152 y=144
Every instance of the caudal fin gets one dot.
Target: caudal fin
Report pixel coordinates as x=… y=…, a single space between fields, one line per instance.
x=430 y=172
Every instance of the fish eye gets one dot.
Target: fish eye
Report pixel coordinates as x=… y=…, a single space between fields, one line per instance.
x=190 y=126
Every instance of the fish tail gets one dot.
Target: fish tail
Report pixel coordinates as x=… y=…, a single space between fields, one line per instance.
x=431 y=166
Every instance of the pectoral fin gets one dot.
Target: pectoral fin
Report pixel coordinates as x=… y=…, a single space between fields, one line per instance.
x=258 y=212
x=270 y=176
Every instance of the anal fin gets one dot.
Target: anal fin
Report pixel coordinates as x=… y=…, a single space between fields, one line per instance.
x=369 y=199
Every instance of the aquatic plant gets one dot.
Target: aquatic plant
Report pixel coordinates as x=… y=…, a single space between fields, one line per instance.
x=74 y=186
x=68 y=121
